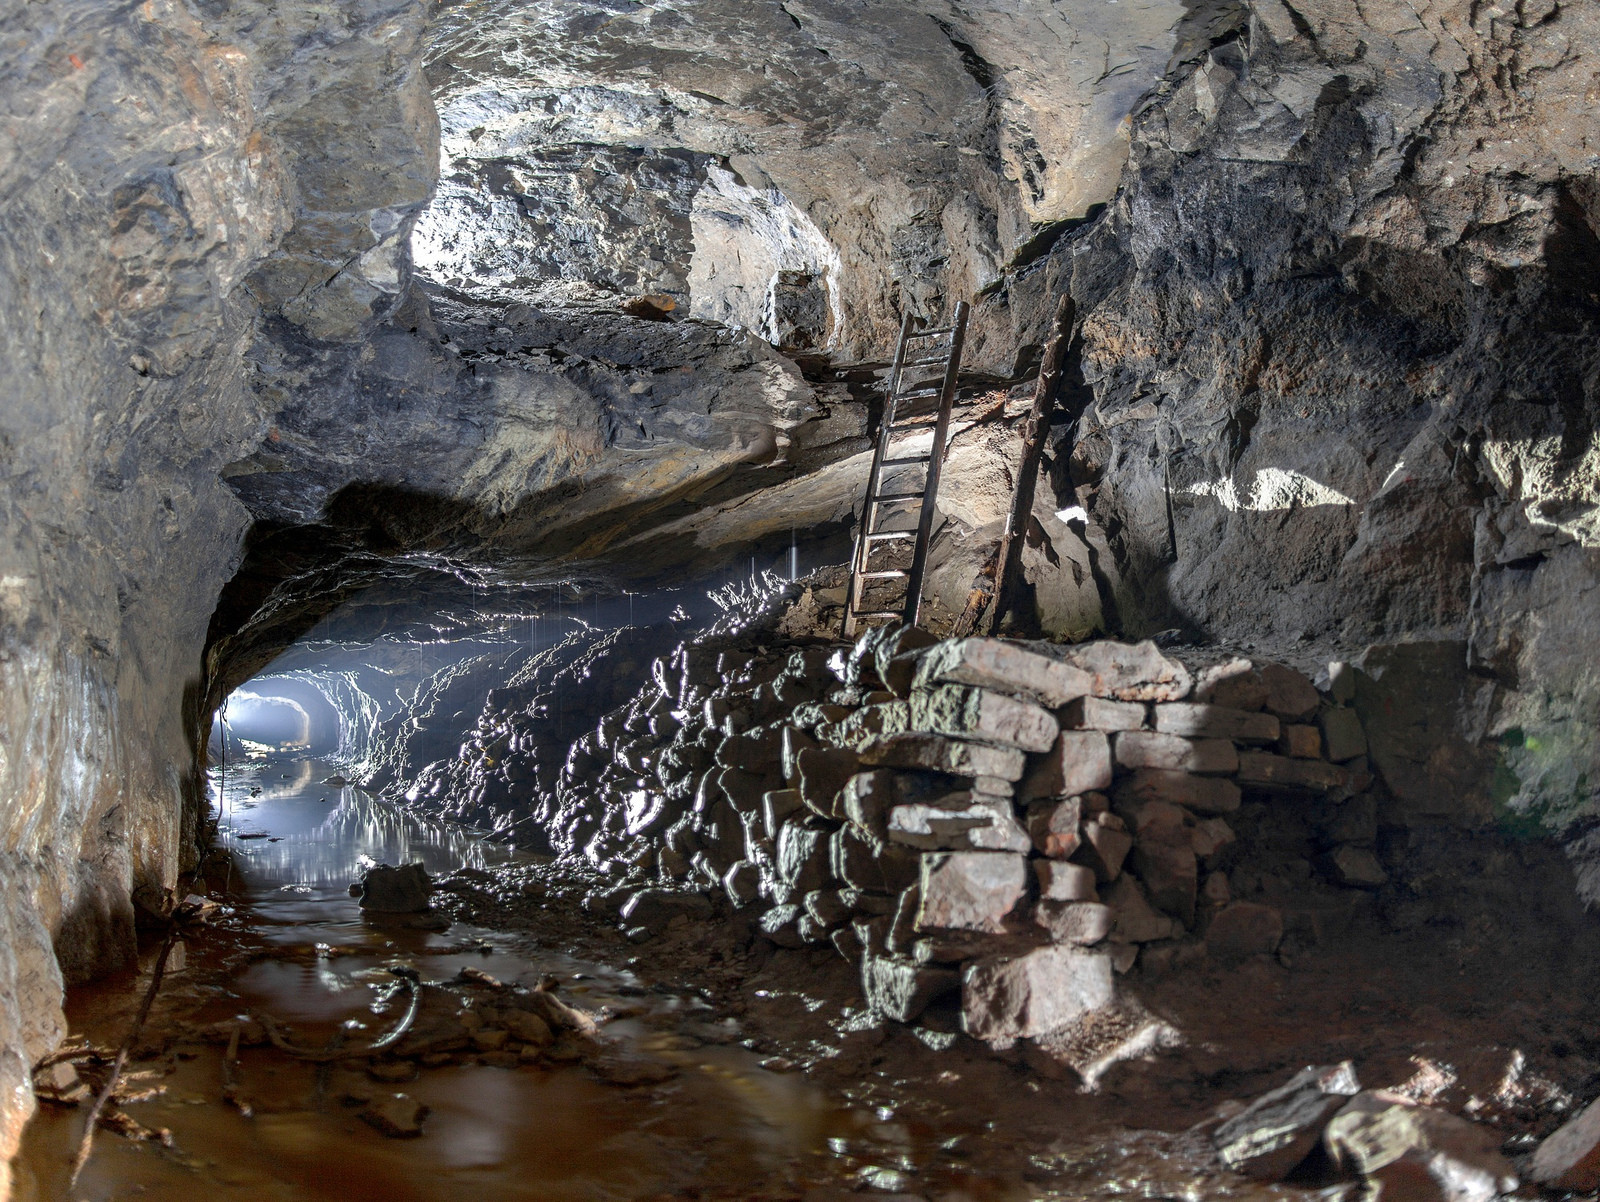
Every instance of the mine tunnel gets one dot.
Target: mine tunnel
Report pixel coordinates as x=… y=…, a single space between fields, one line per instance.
x=736 y=599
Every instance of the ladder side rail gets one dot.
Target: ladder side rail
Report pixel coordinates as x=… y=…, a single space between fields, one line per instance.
x=941 y=430
x=858 y=562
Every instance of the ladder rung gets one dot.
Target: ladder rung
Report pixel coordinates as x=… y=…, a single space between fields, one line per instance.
x=907 y=462
x=883 y=535
x=898 y=496
x=886 y=574
x=877 y=613
x=931 y=333
x=918 y=394
x=926 y=362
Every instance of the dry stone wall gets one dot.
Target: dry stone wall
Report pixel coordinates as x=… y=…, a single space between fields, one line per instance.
x=997 y=832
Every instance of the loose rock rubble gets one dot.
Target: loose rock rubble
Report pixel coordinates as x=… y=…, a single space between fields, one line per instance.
x=996 y=832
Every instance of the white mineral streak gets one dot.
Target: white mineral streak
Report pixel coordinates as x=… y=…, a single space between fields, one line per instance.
x=1271 y=488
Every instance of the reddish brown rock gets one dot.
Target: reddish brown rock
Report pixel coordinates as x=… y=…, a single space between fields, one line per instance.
x=1054 y=827
x=1098 y=713
x=1060 y=881
x=1301 y=742
x=1151 y=749
x=1216 y=722
x=1078 y=762
x=1245 y=929
x=1202 y=794
x=1289 y=694
x=1133 y=919
x=1130 y=671
x=1235 y=684
x=1016 y=997
x=1082 y=923
x=970 y=890
x=1415 y=1152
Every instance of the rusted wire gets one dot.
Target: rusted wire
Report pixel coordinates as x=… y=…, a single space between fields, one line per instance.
x=413 y=984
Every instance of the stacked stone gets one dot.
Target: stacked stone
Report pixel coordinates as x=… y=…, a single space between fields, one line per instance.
x=979 y=823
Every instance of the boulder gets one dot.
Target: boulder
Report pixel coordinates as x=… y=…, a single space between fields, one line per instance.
x=1063 y=882
x=973 y=713
x=1077 y=922
x=1269 y=1138
x=970 y=890
x=900 y=989
x=1054 y=827
x=1098 y=713
x=1202 y=794
x=1195 y=721
x=828 y=906
x=1415 y=1152
x=1244 y=929
x=1079 y=761
x=1130 y=671
x=1017 y=996
x=1004 y=667
x=1152 y=749
x=1570 y=1158
x=935 y=753
x=390 y=890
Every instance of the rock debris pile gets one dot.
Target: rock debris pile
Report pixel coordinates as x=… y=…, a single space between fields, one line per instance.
x=995 y=831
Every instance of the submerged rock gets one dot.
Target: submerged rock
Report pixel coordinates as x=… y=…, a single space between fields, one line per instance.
x=1273 y=1134
x=391 y=890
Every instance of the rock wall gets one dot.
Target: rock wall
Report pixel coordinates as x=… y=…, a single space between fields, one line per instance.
x=1340 y=328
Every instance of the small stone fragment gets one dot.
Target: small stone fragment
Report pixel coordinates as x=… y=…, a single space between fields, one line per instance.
x=1209 y=836
x=1105 y=845
x=1357 y=867
x=1235 y=684
x=1289 y=694
x=1301 y=742
x=743 y=883
x=1151 y=749
x=1274 y=1133
x=1054 y=827
x=396 y=1115
x=1133 y=919
x=1263 y=769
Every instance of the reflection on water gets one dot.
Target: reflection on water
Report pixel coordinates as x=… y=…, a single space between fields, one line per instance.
x=299 y=832
x=298 y=948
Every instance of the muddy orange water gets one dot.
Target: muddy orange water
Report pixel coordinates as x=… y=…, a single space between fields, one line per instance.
x=295 y=945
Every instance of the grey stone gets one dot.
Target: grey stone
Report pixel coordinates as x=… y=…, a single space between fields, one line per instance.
x=1356 y=867
x=1004 y=667
x=827 y=906
x=935 y=753
x=900 y=989
x=1269 y=1138
x=1133 y=919
x=875 y=867
x=402 y=890
x=1265 y=770
x=1130 y=672
x=781 y=924
x=976 y=826
x=1418 y=1152
x=743 y=883
x=777 y=806
x=970 y=890
x=1105 y=845
x=1244 y=929
x=1055 y=827
x=803 y=856
x=1077 y=922
x=1569 y=1159
x=973 y=713
x=1343 y=735
x=823 y=772
x=1018 y=996
x=653 y=909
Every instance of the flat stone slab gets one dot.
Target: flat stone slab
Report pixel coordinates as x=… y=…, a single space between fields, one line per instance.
x=974 y=713
x=1413 y=1151
x=901 y=989
x=1570 y=1158
x=1202 y=794
x=970 y=890
x=978 y=826
x=935 y=753
x=1005 y=667
x=1272 y=1135
x=1174 y=753
x=1194 y=721
x=1099 y=713
x=1130 y=671
x=1262 y=768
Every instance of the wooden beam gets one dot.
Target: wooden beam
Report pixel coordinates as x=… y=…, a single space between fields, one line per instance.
x=1008 y=570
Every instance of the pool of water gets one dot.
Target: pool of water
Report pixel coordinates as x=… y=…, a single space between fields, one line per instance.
x=709 y=1123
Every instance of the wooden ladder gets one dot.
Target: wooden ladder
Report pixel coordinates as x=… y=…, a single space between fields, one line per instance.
x=922 y=383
